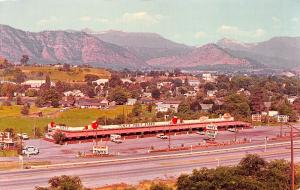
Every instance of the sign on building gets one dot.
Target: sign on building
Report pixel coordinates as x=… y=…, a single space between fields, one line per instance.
x=282 y=118
x=256 y=117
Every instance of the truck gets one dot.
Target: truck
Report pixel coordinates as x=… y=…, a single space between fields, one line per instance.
x=115 y=138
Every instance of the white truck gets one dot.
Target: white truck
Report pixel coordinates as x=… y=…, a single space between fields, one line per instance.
x=115 y=138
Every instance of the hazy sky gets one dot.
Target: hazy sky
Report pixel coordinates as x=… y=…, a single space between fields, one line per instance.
x=193 y=22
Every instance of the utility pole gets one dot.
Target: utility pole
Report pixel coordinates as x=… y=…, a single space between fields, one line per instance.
x=292 y=159
x=265 y=144
x=169 y=138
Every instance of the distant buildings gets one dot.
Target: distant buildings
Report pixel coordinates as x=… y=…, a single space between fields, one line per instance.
x=36 y=83
x=167 y=105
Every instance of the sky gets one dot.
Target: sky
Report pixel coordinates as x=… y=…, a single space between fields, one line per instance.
x=193 y=22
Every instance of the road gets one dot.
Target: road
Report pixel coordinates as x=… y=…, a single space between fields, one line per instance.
x=143 y=167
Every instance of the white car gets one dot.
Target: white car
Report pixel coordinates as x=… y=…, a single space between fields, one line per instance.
x=30 y=150
x=200 y=132
x=232 y=129
x=23 y=136
x=118 y=141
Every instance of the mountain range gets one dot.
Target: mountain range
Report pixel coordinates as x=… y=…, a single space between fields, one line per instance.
x=118 y=49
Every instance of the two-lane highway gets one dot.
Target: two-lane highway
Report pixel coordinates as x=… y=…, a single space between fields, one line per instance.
x=139 y=168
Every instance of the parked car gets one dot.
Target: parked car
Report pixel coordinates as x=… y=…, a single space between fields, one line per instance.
x=30 y=150
x=118 y=141
x=200 y=132
x=232 y=129
x=23 y=136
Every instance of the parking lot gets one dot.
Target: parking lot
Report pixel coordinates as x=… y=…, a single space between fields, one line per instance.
x=137 y=145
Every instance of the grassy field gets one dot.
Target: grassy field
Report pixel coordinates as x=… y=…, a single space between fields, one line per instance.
x=75 y=75
x=10 y=117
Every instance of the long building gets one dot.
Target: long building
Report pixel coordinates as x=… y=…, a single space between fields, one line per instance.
x=90 y=131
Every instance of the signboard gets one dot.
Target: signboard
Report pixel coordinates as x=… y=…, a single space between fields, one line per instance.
x=211 y=131
x=256 y=117
x=282 y=118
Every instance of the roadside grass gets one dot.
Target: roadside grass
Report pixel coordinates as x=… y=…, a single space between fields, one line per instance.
x=8 y=153
x=17 y=165
x=145 y=185
x=10 y=117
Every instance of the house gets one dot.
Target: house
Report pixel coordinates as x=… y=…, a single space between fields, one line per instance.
x=164 y=106
x=206 y=107
x=147 y=100
x=6 y=140
x=19 y=94
x=272 y=113
x=194 y=82
x=291 y=99
x=67 y=102
x=190 y=93
x=124 y=80
x=147 y=94
x=36 y=83
x=104 y=103
x=75 y=93
x=211 y=93
x=207 y=77
x=131 y=101
x=6 y=81
x=100 y=82
x=88 y=103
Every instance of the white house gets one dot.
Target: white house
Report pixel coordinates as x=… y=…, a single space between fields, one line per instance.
x=211 y=93
x=131 y=101
x=126 y=80
x=193 y=82
x=75 y=93
x=100 y=81
x=207 y=77
x=272 y=113
x=164 y=106
x=36 y=83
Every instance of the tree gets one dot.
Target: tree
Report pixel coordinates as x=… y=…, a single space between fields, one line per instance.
x=155 y=93
x=252 y=165
x=18 y=76
x=19 y=100
x=237 y=105
x=137 y=109
x=159 y=186
x=177 y=82
x=59 y=137
x=115 y=81
x=63 y=182
x=184 y=107
x=252 y=173
x=25 y=109
x=90 y=78
x=48 y=96
x=24 y=59
x=118 y=95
